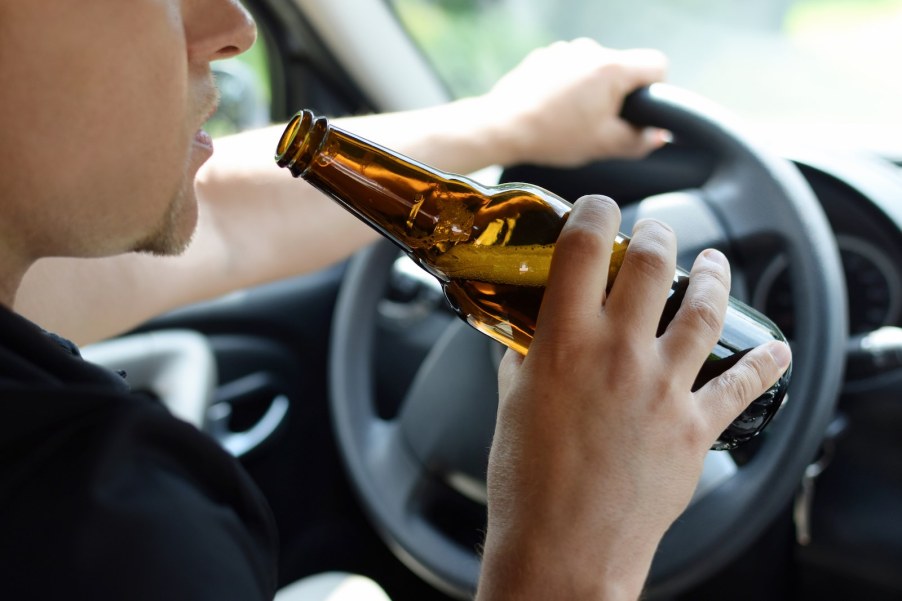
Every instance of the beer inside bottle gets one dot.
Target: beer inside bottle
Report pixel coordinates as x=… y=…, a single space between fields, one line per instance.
x=490 y=246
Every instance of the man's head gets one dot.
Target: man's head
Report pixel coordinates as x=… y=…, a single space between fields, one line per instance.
x=101 y=106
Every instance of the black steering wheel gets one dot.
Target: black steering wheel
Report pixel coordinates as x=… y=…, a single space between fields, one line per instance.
x=437 y=445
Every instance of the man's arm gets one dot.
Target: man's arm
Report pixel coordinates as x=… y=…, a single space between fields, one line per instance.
x=257 y=224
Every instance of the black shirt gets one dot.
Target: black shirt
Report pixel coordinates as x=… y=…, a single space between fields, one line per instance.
x=105 y=495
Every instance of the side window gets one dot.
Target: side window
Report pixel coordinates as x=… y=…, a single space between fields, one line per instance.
x=245 y=92
x=472 y=43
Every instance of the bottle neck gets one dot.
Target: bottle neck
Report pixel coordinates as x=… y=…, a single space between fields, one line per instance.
x=414 y=205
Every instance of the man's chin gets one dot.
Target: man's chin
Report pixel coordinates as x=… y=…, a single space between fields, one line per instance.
x=163 y=247
x=173 y=236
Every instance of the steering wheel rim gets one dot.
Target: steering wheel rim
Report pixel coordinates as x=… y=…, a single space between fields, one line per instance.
x=388 y=460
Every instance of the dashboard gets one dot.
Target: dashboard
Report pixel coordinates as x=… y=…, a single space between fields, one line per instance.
x=863 y=211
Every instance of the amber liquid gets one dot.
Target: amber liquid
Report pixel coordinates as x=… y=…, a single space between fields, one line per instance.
x=496 y=279
x=481 y=291
x=490 y=247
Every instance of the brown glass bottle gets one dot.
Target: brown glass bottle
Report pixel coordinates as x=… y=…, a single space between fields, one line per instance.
x=489 y=246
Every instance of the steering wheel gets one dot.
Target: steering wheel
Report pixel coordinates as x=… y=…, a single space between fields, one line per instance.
x=437 y=444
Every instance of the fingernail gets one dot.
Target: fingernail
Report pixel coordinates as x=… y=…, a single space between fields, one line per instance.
x=781 y=354
x=650 y=222
x=599 y=199
x=657 y=137
x=715 y=256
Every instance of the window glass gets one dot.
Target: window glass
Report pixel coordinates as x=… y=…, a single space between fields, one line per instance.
x=245 y=92
x=776 y=61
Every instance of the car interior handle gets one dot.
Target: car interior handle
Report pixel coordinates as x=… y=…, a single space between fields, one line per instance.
x=177 y=367
x=256 y=389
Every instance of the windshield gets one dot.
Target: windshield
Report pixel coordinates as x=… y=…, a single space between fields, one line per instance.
x=783 y=63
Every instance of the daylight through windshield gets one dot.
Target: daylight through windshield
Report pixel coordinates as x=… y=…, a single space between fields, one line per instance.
x=803 y=63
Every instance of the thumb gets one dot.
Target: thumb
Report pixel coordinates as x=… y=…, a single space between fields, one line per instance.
x=507 y=371
x=731 y=392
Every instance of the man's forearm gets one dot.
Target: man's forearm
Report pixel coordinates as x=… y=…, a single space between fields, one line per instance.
x=256 y=224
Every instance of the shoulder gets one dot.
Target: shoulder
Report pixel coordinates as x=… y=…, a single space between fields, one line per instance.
x=109 y=496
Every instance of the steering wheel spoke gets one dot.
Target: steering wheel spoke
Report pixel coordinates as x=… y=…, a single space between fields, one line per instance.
x=448 y=414
x=401 y=481
x=689 y=214
x=389 y=460
x=747 y=204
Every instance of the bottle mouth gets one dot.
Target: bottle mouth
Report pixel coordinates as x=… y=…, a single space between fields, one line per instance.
x=299 y=141
x=283 y=157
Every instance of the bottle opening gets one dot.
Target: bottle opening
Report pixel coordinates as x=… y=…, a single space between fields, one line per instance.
x=292 y=140
x=300 y=141
x=285 y=142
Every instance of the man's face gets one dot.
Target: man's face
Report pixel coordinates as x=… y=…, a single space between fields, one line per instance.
x=101 y=103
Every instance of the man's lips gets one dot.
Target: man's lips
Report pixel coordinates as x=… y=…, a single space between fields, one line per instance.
x=209 y=101
x=202 y=138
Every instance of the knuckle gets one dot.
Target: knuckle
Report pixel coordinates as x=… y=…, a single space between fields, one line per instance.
x=634 y=148
x=620 y=139
x=695 y=434
x=765 y=368
x=583 y=237
x=630 y=355
x=650 y=249
x=721 y=278
x=647 y=260
x=746 y=381
x=714 y=272
x=651 y=57
x=705 y=313
x=737 y=387
x=608 y=70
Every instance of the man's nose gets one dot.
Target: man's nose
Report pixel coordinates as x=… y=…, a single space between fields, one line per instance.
x=218 y=29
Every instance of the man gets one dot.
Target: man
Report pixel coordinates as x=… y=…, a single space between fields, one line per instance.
x=104 y=495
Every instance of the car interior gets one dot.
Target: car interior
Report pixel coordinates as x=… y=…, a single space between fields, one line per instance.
x=363 y=408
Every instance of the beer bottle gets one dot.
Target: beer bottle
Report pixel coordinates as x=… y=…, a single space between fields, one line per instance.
x=489 y=246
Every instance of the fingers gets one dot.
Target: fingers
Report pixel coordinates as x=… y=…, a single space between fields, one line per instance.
x=626 y=70
x=697 y=325
x=642 y=67
x=578 y=274
x=574 y=116
x=640 y=292
x=727 y=395
x=638 y=67
x=628 y=141
x=634 y=68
